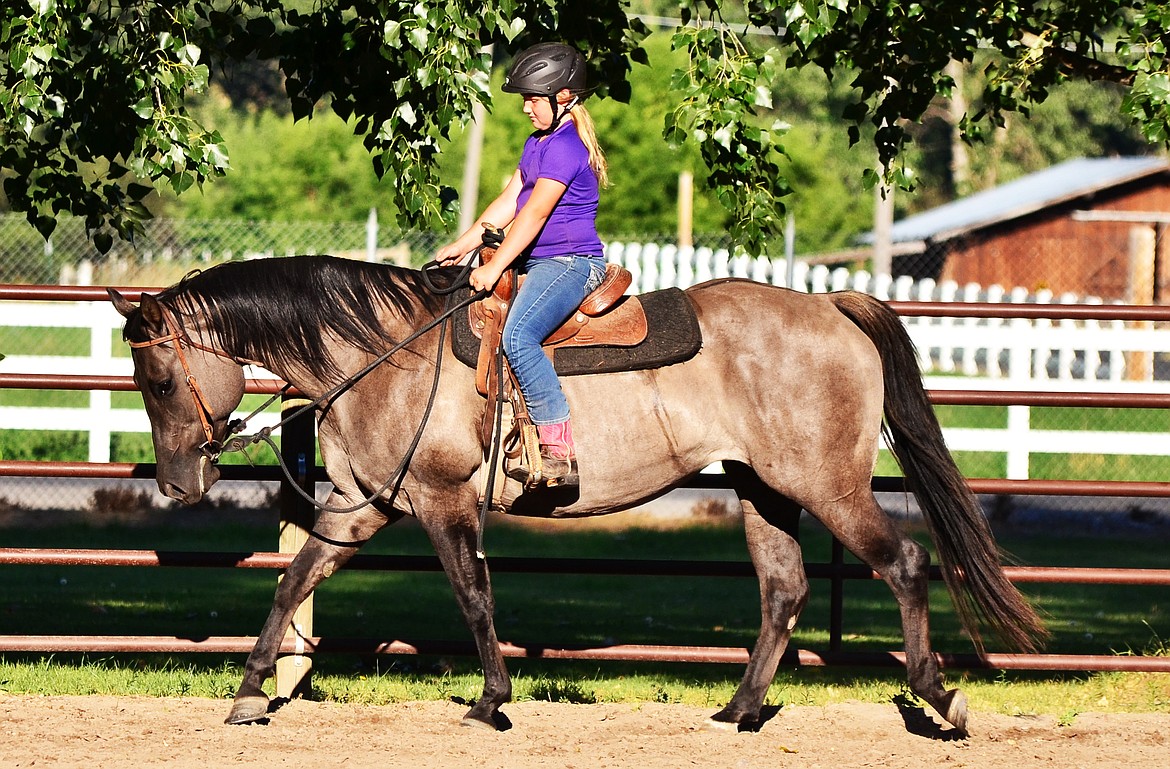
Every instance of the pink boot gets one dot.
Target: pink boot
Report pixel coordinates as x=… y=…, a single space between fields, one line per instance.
x=558 y=455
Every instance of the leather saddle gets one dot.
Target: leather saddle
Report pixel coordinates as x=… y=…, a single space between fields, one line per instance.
x=606 y=317
x=609 y=332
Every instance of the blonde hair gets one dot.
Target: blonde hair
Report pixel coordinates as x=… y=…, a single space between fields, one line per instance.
x=588 y=133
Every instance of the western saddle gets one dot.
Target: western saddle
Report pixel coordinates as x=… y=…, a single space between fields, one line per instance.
x=606 y=317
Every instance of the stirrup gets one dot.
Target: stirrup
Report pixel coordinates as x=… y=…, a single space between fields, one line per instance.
x=537 y=468
x=549 y=472
x=559 y=472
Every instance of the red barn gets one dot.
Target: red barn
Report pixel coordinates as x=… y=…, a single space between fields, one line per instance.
x=1093 y=227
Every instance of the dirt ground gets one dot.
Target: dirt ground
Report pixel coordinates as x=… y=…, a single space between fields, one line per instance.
x=98 y=731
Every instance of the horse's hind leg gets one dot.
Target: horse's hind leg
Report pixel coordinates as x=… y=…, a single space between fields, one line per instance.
x=770 y=522
x=335 y=538
x=869 y=534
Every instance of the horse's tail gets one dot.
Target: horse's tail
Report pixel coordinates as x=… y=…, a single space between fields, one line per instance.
x=966 y=547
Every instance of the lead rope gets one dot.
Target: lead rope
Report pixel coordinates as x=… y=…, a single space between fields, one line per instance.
x=395 y=479
x=492 y=237
x=496 y=444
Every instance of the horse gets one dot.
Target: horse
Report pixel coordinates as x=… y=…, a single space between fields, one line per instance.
x=790 y=391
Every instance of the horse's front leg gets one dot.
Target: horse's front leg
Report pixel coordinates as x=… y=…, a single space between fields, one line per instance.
x=454 y=540
x=335 y=538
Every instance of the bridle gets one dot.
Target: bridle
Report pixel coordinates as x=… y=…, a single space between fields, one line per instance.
x=210 y=448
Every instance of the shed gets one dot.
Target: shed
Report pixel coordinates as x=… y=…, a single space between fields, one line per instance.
x=1090 y=226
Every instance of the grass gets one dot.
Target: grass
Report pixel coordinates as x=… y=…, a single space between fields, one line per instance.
x=136 y=447
x=568 y=609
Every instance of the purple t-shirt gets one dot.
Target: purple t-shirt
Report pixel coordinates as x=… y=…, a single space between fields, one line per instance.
x=572 y=226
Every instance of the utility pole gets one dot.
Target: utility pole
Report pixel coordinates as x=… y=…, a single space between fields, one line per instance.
x=956 y=111
x=469 y=190
x=883 y=225
x=686 y=203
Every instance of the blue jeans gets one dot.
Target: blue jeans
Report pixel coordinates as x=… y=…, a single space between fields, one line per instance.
x=553 y=289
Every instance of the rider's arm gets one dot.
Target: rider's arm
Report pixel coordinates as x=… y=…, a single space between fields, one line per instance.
x=498 y=213
x=525 y=227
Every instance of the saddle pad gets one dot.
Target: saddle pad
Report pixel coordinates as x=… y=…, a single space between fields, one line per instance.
x=674 y=337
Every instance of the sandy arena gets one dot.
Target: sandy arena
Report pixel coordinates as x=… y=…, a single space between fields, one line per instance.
x=99 y=731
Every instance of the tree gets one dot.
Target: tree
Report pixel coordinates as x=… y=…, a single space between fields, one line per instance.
x=94 y=105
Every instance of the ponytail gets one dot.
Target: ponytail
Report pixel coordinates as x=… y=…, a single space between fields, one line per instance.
x=588 y=133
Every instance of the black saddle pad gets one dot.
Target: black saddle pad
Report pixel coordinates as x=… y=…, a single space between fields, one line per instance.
x=673 y=337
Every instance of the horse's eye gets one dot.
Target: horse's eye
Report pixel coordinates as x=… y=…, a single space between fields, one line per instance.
x=164 y=388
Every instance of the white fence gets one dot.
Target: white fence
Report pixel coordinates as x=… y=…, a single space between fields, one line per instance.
x=99 y=419
x=956 y=353
x=1081 y=354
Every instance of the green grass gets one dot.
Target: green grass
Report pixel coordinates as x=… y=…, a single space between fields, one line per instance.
x=556 y=609
x=72 y=445
x=40 y=340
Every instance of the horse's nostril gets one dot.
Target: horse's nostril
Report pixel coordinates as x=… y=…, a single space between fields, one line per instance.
x=175 y=492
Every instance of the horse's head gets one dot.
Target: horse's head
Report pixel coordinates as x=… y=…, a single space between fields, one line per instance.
x=190 y=391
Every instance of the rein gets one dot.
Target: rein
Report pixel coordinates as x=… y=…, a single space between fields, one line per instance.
x=213 y=449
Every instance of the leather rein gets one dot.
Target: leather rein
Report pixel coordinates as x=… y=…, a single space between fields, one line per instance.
x=213 y=449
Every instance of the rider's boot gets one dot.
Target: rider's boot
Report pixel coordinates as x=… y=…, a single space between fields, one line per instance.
x=558 y=455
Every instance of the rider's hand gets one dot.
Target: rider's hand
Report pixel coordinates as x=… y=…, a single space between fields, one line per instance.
x=450 y=254
x=485 y=277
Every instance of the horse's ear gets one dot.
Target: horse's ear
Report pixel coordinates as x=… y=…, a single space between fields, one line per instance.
x=121 y=303
x=152 y=313
x=149 y=310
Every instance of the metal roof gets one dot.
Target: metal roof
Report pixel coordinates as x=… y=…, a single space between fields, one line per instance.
x=1059 y=183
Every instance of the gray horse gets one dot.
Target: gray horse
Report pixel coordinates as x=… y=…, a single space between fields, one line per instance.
x=789 y=391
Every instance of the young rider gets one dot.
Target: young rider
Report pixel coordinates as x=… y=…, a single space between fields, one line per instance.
x=549 y=210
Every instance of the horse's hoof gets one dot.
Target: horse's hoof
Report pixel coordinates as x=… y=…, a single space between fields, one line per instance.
x=476 y=723
x=956 y=710
x=726 y=727
x=248 y=710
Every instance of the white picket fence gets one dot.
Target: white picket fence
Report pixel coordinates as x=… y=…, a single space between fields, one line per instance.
x=955 y=353
x=1080 y=354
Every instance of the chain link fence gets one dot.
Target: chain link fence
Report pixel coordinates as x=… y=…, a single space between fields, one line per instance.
x=1128 y=267
x=171 y=247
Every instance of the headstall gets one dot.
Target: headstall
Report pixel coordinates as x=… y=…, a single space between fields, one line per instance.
x=211 y=448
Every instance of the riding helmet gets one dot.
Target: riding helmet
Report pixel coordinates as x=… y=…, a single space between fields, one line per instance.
x=545 y=69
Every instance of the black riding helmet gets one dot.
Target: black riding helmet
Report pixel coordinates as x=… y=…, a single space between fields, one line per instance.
x=543 y=70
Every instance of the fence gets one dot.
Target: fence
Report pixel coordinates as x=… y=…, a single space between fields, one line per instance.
x=1086 y=353
x=297 y=645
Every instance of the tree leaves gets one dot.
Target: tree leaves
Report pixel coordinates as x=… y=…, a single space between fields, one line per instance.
x=94 y=98
x=721 y=94
x=95 y=108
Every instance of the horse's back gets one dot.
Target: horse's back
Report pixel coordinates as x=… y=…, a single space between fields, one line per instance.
x=779 y=323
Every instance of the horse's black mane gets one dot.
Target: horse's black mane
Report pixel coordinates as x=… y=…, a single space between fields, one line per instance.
x=292 y=309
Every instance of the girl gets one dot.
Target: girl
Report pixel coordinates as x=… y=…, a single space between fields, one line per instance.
x=549 y=210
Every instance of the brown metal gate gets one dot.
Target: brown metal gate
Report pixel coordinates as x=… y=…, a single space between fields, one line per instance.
x=298 y=444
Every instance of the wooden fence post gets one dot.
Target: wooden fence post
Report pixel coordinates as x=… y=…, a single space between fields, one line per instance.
x=298 y=451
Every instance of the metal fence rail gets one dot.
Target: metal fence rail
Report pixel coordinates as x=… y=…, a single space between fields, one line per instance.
x=837 y=572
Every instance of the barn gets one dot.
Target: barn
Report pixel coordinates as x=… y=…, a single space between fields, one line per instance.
x=1090 y=226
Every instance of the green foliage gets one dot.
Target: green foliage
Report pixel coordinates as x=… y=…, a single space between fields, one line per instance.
x=723 y=88
x=406 y=74
x=82 y=144
x=312 y=170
